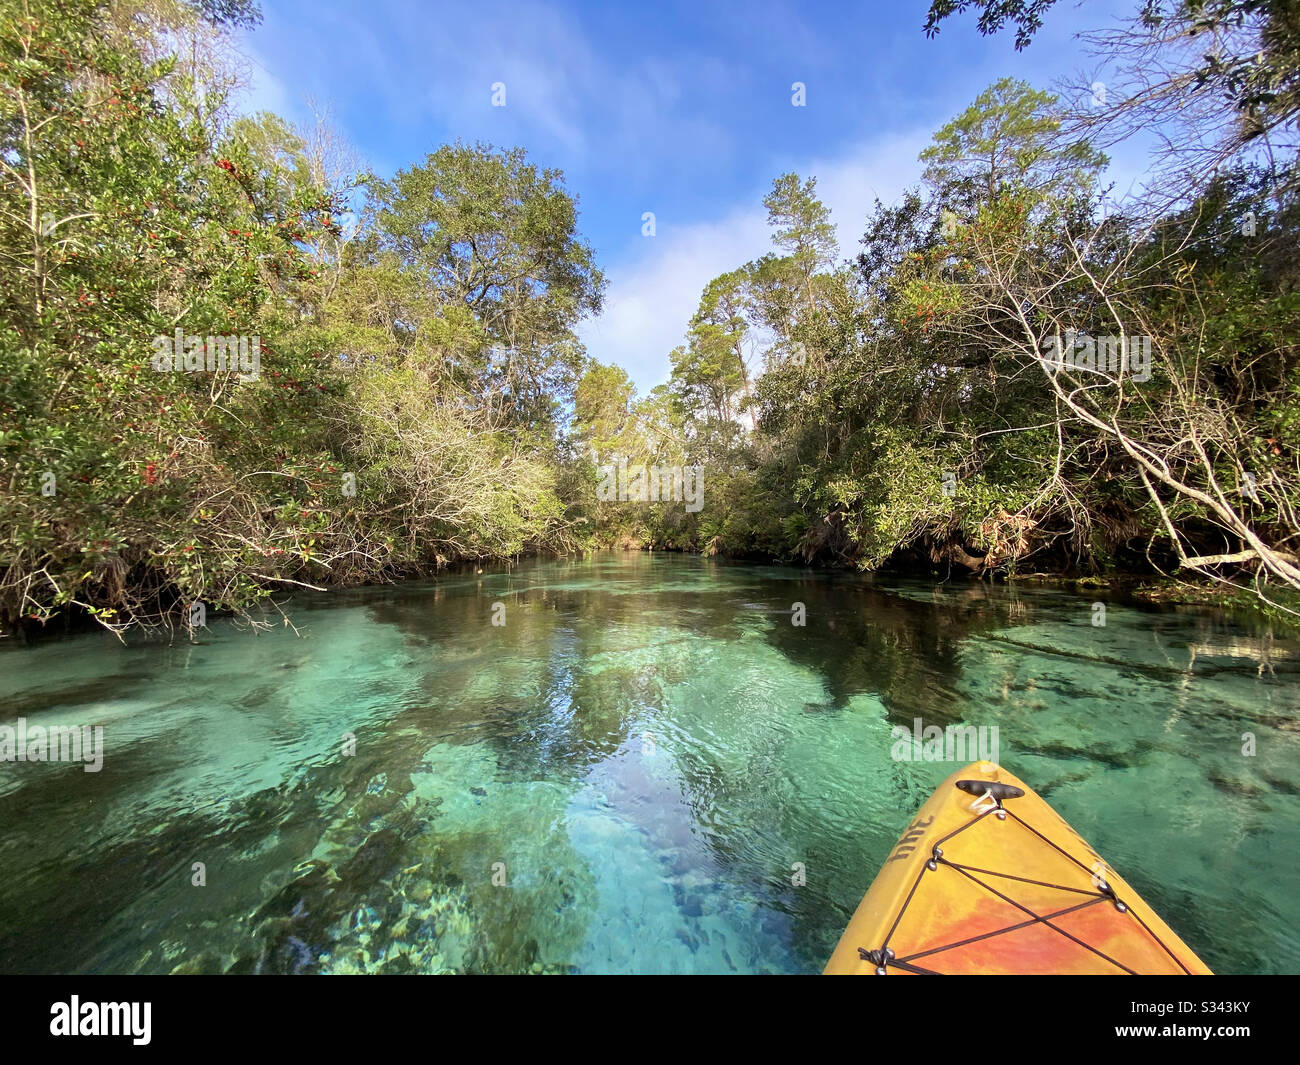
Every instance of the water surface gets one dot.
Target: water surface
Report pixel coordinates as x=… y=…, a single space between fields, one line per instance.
x=647 y=768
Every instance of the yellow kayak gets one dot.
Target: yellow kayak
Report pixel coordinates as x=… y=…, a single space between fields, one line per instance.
x=988 y=879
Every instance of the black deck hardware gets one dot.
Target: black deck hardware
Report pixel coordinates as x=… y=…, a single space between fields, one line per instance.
x=879 y=958
x=1000 y=792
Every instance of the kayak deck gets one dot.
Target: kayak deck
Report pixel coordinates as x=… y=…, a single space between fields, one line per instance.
x=989 y=879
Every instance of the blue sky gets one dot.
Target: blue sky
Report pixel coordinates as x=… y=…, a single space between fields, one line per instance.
x=682 y=109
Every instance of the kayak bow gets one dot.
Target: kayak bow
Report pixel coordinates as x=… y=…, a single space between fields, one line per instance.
x=989 y=879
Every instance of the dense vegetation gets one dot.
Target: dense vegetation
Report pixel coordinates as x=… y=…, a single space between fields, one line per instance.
x=422 y=397
x=942 y=399
x=415 y=335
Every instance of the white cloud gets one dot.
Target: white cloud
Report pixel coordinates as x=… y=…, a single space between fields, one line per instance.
x=264 y=91
x=883 y=167
x=655 y=287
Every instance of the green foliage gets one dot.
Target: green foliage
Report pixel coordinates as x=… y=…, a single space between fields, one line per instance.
x=1251 y=58
x=1008 y=137
x=423 y=397
x=404 y=413
x=1026 y=15
x=492 y=233
x=905 y=415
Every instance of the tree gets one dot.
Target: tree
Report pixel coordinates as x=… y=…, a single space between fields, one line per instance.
x=1219 y=77
x=802 y=227
x=121 y=222
x=711 y=369
x=1008 y=137
x=602 y=409
x=1026 y=15
x=1185 y=429
x=487 y=230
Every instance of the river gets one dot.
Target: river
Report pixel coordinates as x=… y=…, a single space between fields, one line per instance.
x=646 y=765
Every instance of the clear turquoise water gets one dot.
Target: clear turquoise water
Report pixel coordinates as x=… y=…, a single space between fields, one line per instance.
x=644 y=751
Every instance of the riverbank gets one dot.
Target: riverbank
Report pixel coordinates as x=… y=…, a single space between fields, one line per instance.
x=1242 y=604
